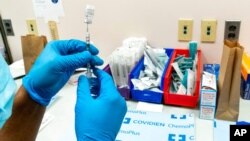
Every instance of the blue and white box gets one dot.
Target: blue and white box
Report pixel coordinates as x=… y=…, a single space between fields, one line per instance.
x=212 y=68
x=208 y=96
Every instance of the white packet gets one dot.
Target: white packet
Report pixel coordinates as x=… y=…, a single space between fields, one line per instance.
x=190 y=82
x=178 y=70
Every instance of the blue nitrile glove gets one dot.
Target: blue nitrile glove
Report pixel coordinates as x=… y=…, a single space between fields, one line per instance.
x=55 y=65
x=7 y=91
x=98 y=119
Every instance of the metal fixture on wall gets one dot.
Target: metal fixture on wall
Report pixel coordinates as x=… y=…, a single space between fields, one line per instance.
x=4 y=49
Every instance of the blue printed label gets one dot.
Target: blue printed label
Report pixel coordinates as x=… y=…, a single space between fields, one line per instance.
x=148 y=126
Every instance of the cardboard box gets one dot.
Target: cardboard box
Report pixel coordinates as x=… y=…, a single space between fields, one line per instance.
x=212 y=68
x=245 y=79
x=208 y=97
x=245 y=89
x=207 y=112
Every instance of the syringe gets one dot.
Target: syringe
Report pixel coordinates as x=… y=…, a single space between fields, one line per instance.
x=89 y=14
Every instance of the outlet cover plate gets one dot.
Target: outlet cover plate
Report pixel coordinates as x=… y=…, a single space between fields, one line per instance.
x=208 y=30
x=8 y=27
x=232 y=30
x=32 y=27
x=185 y=29
x=53 y=30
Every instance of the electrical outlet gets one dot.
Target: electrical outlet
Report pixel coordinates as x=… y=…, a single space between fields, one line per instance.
x=232 y=30
x=185 y=29
x=32 y=27
x=53 y=30
x=208 y=30
x=8 y=27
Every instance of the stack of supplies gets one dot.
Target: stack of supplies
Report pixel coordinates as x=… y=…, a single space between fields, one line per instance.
x=123 y=59
x=147 y=77
x=208 y=93
x=183 y=75
x=150 y=76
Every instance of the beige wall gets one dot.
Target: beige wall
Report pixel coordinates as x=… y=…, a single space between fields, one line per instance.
x=116 y=20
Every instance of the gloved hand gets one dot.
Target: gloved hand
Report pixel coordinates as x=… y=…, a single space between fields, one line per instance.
x=98 y=119
x=7 y=91
x=55 y=65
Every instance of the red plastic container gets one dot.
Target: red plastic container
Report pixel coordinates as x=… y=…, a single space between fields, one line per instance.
x=178 y=99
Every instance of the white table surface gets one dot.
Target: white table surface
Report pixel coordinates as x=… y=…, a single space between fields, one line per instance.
x=62 y=126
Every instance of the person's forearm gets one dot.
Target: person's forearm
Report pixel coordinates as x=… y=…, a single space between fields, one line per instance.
x=24 y=123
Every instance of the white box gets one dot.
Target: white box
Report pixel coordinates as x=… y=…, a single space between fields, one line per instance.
x=207 y=112
x=208 y=97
